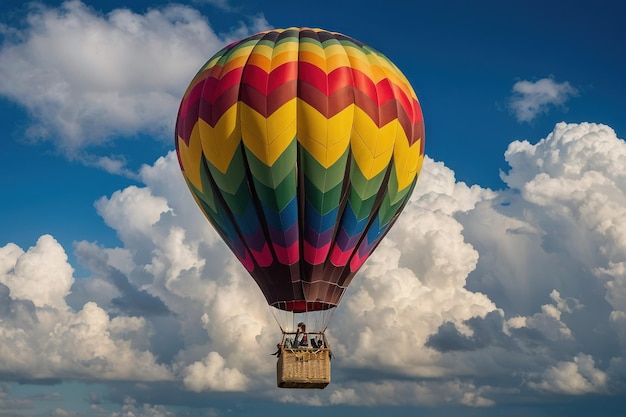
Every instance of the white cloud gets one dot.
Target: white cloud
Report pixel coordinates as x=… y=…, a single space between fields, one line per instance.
x=530 y=98
x=176 y=256
x=580 y=376
x=85 y=76
x=212 y=374
x=412 y=393
x=548 y=322
x=575 y=183
x=398 y=299
x=43 y=338
x=131 y=211
x=41 y=275
x=516 y=278
x=470 y=285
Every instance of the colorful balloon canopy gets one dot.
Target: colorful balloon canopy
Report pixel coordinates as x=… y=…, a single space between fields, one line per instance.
x=301 y=147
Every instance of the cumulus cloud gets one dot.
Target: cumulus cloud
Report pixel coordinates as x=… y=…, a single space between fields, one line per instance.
x=578 y=376
x=548 y=321
x=532 y=98
x=551 y=259
x=41 y=275
x=574 y=180
x=85 y=76
x=43 y=338
x=399 y=299
x=475 y=294
x=212 y=374
x=470 y=284
x=171 y=254
x=561 y=241
x=523 y=285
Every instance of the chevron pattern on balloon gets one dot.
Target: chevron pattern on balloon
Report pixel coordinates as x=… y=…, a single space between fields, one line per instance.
x=301 y=147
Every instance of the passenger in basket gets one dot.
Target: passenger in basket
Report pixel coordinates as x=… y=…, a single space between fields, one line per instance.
x=305 y=341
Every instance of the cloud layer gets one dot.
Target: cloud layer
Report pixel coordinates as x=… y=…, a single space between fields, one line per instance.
x=443 y=298
x=476 y=295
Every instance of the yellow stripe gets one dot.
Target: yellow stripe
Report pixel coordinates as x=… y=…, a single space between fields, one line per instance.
x=313 y=58
x=397 y=79
x=191 y=157
x=326 y=64
x=372 y=147
x=268 y=138
x=259 y=60
x=283 y=58
x=358 y=58
x=381 y=70
x=268 y=58
x=211 y=63
x=283 y=55
x=336 y=57
x=401 y=80
x=325 y=139
x=312 y=47
x=242 y=52
x=408 y=161
x=377 y=68
x=232 y=64
x=219 y=143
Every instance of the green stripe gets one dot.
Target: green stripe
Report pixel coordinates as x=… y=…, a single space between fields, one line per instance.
x=239 y=201
x=324 y=179
x=388 y=210
x=393 y=186
x=308 y=39
x=362 y=186
x=206 y=195
x=291 y=35
x=394 y=199
x=277 y=197
x=209 y=204
x=362 y=208
x=276 y=174
x=230 y=181
x=323 y=202
x=266 y=42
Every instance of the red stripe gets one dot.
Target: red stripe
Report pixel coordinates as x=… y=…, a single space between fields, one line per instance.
x=328 y=84
x=315 y=256
x=265 y=83
x=287 y=256
x=213 y=88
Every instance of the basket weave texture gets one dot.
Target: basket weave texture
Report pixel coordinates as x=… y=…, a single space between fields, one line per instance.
x=303 y=368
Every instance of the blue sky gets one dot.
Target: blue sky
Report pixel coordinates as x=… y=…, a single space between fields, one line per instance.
x=501 y=290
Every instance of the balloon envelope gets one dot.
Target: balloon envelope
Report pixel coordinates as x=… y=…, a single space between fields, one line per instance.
x=301 y=147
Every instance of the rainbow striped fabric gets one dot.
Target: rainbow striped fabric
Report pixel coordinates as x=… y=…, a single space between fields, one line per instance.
x=301 y=147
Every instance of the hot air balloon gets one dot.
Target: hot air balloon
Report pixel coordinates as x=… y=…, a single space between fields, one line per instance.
x=301 y=146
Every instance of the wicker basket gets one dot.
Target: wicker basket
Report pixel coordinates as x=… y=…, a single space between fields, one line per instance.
x=303 y=368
